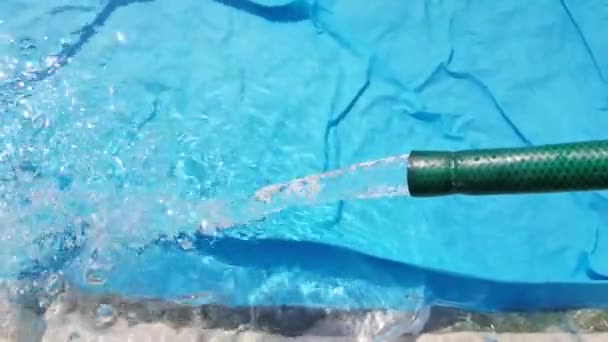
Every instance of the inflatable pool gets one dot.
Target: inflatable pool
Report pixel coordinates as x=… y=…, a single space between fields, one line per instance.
x=119 y=118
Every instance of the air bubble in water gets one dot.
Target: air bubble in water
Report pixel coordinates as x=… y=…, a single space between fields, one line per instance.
x=54 y=284
x=26 y=46
x=44 y=302
x=50 y=61
x=104 y=315
x=185 y=242
x=96 y=275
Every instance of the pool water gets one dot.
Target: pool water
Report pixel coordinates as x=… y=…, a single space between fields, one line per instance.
x=120 y=119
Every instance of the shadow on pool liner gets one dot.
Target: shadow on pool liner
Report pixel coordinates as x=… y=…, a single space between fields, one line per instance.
x=366 y=277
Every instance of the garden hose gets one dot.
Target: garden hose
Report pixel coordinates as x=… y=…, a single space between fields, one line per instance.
x=580 y=166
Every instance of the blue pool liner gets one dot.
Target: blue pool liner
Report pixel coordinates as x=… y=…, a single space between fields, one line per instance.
x=281 y=89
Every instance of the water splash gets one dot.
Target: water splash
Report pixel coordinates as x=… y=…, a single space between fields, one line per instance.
x=372 y=179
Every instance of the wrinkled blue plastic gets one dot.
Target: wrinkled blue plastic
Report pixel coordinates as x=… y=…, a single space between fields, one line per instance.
x=217 y=98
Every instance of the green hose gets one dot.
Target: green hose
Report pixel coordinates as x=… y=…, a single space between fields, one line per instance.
x=581 y=166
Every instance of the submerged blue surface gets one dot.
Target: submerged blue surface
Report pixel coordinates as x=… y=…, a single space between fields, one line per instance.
x=119 y=118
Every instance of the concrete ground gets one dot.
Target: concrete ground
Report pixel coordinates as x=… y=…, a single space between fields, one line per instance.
x=73 y=327
x=75 y=317
x=72 y=330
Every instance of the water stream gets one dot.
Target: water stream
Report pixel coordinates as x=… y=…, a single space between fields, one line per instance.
x=366 y=180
